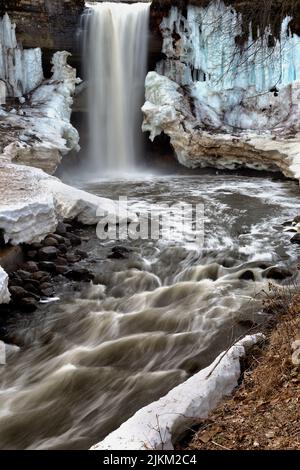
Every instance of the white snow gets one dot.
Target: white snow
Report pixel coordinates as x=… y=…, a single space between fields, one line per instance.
x=4 y=292
x=44 y=132
x=34 y=201
x=158 y=425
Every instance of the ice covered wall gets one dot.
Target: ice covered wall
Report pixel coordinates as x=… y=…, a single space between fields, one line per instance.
x=207 y=46
x=21 y=70
x=38 y=132
x=226 y=101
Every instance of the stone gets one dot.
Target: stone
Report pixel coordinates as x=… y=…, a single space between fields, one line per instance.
x=62 y=269
x=72 y=258
x=51 y=241
x=247 y=276
x=120 y=252
x=39 y=275
x=61 y=229
x=278 y=273
x=31 y=267
x=28 y=304
x=296 y=239
x=80 y=274
x=48 y=266
x=74 y=239
x=32 y=254
x=17 y=292
x=48 y=253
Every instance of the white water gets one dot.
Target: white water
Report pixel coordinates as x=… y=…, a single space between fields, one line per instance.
x=115 y=45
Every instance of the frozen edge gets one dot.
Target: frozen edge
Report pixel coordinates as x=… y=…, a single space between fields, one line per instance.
x=158 y=425
x=4 y=292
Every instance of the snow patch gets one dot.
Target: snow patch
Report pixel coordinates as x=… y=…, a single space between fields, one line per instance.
x=159 y=425
x=4 y=292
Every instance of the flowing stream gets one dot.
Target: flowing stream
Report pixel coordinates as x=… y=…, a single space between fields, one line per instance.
x=89 y=361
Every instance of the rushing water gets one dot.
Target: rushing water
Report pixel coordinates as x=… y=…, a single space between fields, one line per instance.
x=103 y=351
x=115 y=54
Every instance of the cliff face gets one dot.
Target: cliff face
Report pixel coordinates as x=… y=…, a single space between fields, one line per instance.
x=48 y=24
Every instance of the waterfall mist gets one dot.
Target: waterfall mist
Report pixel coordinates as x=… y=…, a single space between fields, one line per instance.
x=115 y=51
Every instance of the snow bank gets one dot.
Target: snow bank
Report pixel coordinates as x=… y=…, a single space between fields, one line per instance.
x=160 y=424
x=4 y=292
x=33 y=202
x=40 y=130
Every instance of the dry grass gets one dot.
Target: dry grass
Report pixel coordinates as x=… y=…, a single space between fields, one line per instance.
x=264 y=413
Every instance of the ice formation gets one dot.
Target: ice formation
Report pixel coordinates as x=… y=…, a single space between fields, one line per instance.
x=206 y=50
x=223 y=103
x=39 y=132
x=20 y=70
x=4 y=292
x=158 y=425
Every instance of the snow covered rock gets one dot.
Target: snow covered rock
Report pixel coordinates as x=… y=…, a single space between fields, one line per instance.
x=4 y=292
x=158 y=425
x=226 y=101
x=201 y=135
x=33 y=202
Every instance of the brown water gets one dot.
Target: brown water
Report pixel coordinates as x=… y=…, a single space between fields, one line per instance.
x=103 y=351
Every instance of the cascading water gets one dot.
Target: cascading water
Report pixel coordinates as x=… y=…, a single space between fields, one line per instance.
x=115 y=39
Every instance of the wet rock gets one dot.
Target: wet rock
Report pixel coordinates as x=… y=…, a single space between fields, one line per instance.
x=58 y=238
x=297 y=219
x=296 y=239
x=21 y=274
x=31 y=267
x=247 y=276
x=47 y=292
x=62 y=249
x=278 y=273
x=35 y=246
x=120 y=252
x=50 y=241
x=289 y=223
x=32 y=254
x=48 y=253
x=28 y=304
x=79 y=274
x=74 y=239
x=61 y=261
x=62 y=269
x=40 y=275
x=82 y=254
x=61 y=229
x=18 y=292
x=32 y=287
x=48 y=266
x=72 y=258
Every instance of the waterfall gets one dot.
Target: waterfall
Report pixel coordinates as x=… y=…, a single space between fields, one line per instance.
x=115 y=45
